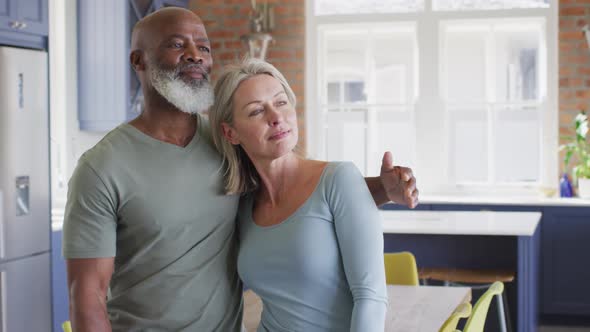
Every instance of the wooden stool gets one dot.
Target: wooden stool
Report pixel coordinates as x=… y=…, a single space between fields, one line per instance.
x=476 y=279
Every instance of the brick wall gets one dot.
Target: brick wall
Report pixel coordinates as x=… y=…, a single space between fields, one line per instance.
x=227 y=20
x=574 y=63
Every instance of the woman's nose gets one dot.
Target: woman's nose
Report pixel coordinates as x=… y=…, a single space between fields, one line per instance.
x=274 y=116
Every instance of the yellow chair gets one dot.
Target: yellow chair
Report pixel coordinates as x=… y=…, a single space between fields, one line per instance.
x=66 y=326
x=462 y=311
x=401 y=269
x=477 y=320
x=476 y=279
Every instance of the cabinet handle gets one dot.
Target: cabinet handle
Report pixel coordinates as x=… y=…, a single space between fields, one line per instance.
x=22 y=25
x=14 y=24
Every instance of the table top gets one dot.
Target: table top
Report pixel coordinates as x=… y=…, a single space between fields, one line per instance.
x=469 y=198
x=422 y=308
x=460 y=222
x=411 y=308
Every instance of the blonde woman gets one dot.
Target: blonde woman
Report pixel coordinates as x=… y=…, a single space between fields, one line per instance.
x=311 y=244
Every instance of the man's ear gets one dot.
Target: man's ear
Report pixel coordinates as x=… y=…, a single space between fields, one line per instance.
x=137 y=60
x=229 y=133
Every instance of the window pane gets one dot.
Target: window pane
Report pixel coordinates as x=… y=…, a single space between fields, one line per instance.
x=374 y=65
x=333 y=92
x=390 y=85
x=394 y=59
x=465 y=63
x=487 y=4
x=346 y=137
x=517 y=48
x=517 y=145
x=469 y=145
x=396 y=133
x=343 y=62
x=338 y=7
x=354 y=92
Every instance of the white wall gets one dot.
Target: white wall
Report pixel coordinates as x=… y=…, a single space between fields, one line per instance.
x=67 y=141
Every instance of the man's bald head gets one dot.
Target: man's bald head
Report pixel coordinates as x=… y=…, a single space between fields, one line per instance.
x=171 y=54
x=150 y=26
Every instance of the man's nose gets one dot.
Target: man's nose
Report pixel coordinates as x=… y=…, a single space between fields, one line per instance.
x=192 y=54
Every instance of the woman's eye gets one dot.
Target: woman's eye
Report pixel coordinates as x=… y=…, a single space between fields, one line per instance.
x=281 y=103
x=256 y=112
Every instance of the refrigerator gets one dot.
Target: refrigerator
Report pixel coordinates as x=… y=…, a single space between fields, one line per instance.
x=25 y=271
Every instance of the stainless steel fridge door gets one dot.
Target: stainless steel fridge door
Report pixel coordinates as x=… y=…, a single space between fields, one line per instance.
x=24 y=153
x=25 y=295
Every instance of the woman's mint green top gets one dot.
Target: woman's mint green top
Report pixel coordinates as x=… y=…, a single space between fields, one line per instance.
x=321 y=269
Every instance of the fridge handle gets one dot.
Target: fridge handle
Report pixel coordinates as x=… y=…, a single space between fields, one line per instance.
x=3 y=306
x=1 y=226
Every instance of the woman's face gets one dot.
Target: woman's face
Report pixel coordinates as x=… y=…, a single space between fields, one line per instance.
x=265 y=122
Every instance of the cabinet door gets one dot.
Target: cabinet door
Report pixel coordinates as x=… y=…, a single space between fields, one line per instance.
x=32 y=14
x=7 y=14
x=103 y=61
x=566 y=272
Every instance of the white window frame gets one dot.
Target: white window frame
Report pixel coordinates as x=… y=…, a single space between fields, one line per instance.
x=432 y=160
x=371 y=108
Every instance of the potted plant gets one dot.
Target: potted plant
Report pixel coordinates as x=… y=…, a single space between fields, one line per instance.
x=579 y=148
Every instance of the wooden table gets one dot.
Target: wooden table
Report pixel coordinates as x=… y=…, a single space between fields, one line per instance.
x=411 y=308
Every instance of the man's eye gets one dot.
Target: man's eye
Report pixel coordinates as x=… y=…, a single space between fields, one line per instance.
x=204 y=49
x=177 y=45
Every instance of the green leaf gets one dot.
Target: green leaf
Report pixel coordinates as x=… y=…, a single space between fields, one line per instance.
x=578 y=148
x=581 y=126
x=568 y=156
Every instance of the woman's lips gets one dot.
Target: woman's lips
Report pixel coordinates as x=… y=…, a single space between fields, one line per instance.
x=279 y=135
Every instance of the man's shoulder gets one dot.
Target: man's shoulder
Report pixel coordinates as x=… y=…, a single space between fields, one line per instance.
x=112 y=147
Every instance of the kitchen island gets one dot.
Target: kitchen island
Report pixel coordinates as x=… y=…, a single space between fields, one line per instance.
x=476 y=240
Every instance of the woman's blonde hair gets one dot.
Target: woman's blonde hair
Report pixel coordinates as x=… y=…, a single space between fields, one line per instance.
x=239 y=173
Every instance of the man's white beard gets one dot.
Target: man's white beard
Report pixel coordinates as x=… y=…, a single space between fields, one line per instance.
x=189 y=98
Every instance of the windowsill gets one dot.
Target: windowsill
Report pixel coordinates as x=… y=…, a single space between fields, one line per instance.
x=57 y=219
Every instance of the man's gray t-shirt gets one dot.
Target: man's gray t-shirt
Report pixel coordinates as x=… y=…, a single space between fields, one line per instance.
x=159 y=209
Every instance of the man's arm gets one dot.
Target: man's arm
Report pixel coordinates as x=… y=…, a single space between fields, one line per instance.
x=88 y=282
x=396 y=184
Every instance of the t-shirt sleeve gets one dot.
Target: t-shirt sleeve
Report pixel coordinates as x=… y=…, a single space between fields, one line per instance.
x=90 y=220
x=360 y=237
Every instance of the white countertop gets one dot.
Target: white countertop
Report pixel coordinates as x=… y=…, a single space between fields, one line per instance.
x=523 y=200
x=460 y=222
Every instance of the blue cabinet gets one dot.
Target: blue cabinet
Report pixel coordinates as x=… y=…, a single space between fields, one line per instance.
x=399 y=207
x=565 y=270
x=24 y=23
x=480 y=207
x=565 y=240
x=33 y=16
x=108 y=90
x=6 y=13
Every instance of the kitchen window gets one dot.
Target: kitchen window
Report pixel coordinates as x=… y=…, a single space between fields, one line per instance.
x=462 y=91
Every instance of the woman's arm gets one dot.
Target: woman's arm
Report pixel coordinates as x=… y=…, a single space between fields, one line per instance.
x=358 y=229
